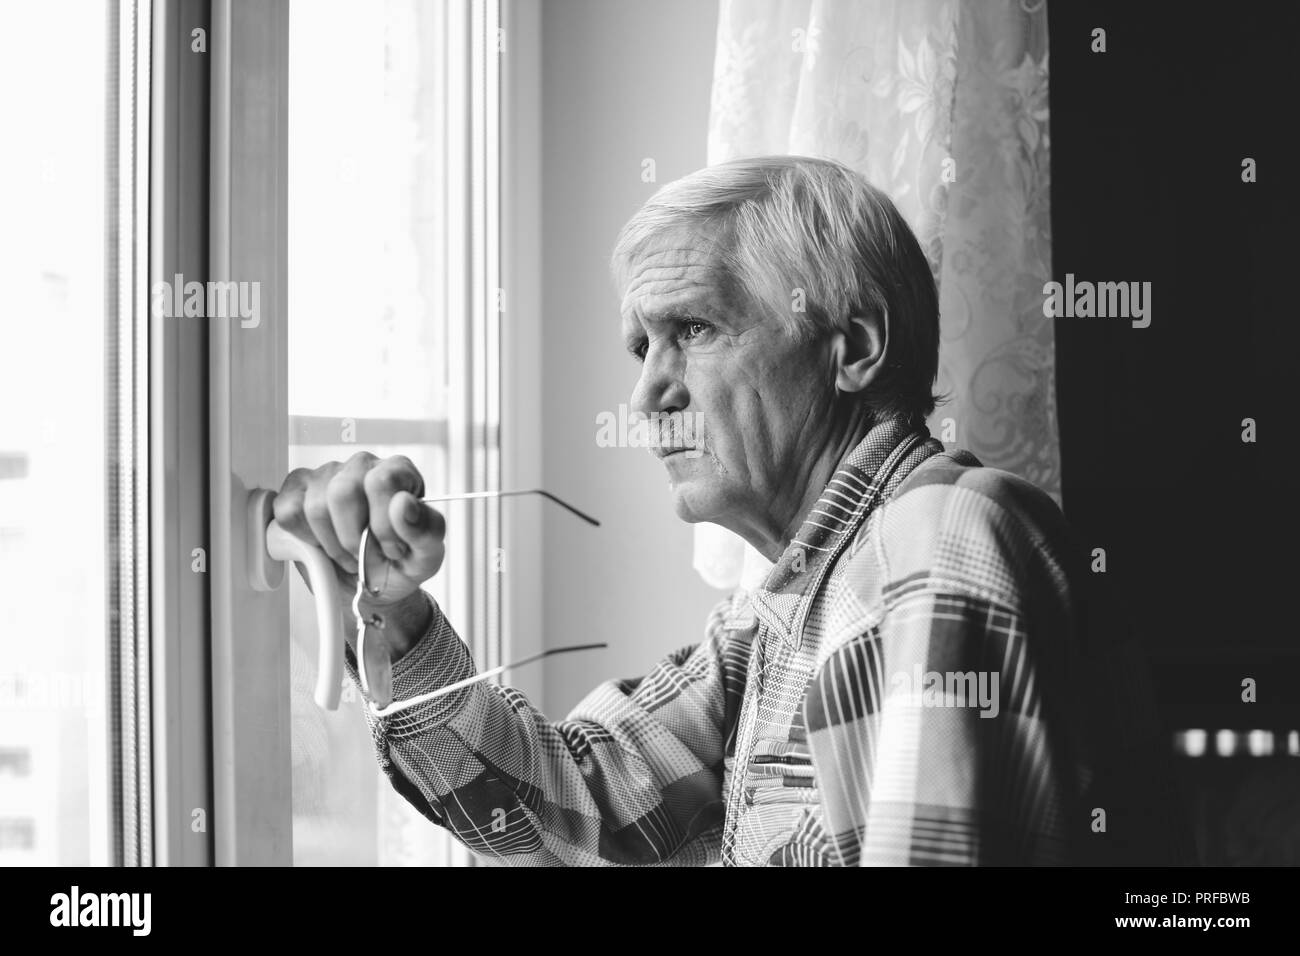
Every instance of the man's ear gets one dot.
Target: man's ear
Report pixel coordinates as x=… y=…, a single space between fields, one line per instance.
x=860 y=352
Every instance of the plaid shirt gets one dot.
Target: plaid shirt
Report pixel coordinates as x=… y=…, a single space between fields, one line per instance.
x=894 y=693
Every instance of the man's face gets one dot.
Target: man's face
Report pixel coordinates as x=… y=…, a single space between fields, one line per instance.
x=765 y=401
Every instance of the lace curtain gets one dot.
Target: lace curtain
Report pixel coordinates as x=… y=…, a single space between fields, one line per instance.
x=943 y=104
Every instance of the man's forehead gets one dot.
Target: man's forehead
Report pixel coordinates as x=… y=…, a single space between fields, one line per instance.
x=673 y=271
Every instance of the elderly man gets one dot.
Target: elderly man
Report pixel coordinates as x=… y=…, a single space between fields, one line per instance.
x=894 y=691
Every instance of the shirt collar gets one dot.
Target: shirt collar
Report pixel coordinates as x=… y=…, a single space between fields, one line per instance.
x=872 y=467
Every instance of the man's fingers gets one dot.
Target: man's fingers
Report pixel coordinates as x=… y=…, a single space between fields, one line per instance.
x=331 y=506
x=287 y=506
x=417 y=524
x=345 y=496
x=316 y=508
x=421 y=528
x=382 y=482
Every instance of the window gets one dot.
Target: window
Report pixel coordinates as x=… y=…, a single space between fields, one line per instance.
x=53 y=722
x=342 y=158
x=392 y=347
x=364 y=201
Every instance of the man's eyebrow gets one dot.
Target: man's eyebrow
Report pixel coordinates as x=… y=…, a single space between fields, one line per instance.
x=692 y=309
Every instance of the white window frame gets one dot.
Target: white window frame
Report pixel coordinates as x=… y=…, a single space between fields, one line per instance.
x=202 y=742
x=179 y=545
x=521 y=341
x=247 y=440
x=129 y=650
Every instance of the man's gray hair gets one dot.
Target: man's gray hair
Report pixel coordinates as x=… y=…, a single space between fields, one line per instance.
x=811 y=243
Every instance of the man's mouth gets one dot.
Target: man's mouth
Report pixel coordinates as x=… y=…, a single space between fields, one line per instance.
x=690 y=451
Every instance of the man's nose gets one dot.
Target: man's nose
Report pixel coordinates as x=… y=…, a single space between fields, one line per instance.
x=660 y=387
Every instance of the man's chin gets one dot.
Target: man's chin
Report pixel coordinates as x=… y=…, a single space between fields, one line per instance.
x=698 y=485
x=694 y=501
x=684 y=509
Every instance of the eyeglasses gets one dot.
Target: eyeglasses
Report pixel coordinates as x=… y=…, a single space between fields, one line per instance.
x=383 y=692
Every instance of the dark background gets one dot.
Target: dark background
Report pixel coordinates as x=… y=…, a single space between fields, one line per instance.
x=1198 y=527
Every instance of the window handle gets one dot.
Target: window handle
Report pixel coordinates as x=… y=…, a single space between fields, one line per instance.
x=269 y=546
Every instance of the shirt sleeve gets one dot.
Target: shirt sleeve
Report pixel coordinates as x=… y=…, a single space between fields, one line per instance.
x=945 y=734
x=633 y=776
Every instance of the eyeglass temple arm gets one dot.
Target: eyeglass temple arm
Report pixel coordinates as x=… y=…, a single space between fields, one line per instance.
x=465 y=496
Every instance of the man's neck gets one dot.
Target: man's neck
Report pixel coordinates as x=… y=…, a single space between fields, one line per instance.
x=813 y=479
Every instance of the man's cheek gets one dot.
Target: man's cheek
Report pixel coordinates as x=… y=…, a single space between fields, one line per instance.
x=693 y=435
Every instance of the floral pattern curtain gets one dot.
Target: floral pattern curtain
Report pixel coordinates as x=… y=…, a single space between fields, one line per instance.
x=943 y=104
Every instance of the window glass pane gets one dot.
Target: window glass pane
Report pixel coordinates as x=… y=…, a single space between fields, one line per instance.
x=367 y=347
x=53 y=731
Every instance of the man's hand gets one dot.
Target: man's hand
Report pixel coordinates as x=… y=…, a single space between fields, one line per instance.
x=329 y=506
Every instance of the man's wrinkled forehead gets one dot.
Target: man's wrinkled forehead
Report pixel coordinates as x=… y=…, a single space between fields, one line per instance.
x=671 y=270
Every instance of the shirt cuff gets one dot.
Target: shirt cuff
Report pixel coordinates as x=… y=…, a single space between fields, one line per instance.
x=439 y=658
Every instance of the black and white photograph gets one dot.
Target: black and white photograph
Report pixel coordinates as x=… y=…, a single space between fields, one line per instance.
x=648 y=433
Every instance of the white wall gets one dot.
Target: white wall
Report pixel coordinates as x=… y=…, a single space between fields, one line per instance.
x=622 y=81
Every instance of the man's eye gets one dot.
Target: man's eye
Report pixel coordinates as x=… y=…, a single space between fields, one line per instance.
x=639 y=350
x=693 y=328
